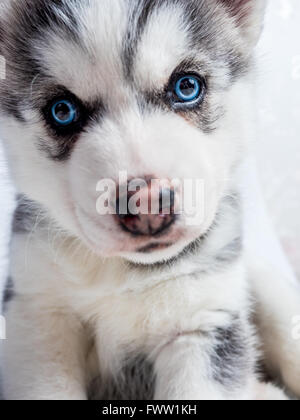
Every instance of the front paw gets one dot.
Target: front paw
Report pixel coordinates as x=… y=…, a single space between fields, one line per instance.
x=288 y=348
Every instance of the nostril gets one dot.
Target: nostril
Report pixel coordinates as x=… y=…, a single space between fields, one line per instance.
x=119 y=212
x=166 y=200
x=122 y=207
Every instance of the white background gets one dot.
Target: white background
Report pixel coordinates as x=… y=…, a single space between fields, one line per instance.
x=279 y=121
x=278 y=149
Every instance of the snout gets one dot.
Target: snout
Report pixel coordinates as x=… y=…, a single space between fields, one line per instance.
x=149 y=210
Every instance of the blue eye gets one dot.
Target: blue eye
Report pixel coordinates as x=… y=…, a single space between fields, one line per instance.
x=64 y=112
x=188 y=88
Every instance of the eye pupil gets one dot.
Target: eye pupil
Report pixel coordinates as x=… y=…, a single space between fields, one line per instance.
x=64 y=112
x=188 y=88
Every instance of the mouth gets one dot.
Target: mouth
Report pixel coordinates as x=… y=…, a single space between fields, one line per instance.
x=153 y=247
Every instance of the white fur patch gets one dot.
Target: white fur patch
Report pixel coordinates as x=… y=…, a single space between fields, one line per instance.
x=164 y=44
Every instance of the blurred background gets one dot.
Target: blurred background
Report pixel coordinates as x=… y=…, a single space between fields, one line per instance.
x=278 y=146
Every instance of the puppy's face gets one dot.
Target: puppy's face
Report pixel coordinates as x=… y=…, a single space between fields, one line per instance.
x=155 y=88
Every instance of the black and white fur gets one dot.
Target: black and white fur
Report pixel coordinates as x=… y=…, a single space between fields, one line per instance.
x=90 y=315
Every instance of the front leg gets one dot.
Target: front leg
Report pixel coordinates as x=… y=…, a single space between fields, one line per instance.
x=216 y=365
x=43 y=355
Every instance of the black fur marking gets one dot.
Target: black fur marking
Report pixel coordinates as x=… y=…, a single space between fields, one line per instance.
x=135 y=381
x=205 y=22
x=10 y=107
x=230 y=252
x=66 y=137
x=219 y=261
x=27 y=22
x=28 y=215
x=231 y=360
x=8 y=292
x=153 y=247
x=139 y=14
x=202 y=114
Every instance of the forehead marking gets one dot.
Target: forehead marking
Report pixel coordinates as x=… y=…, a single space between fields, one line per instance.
x=156 y=41
x=162 y=46
x=138 y=15
x=149 y=37
x=88 y=66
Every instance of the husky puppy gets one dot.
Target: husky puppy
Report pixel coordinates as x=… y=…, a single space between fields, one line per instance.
x=124 y=305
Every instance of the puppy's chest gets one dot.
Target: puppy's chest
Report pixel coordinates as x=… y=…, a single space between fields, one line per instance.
x=138 y=316
x=145 y=318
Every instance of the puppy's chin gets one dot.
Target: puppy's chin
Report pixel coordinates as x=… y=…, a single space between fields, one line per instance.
x=115 y=243
x=153 y=253
x=149 y=253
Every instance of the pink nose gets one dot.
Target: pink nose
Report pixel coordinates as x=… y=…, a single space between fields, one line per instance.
x=148 y=212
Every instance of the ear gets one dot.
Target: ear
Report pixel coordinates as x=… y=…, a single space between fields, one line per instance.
x=249 y=16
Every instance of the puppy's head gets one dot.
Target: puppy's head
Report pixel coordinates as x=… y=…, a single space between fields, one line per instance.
x=156 y=89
